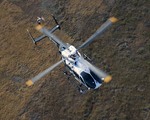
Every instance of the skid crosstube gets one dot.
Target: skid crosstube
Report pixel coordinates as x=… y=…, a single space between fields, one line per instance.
x=78 y=87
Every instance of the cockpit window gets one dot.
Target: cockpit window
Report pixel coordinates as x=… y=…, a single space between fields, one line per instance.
x=88 y=80
x=76 y=74
x=95 y=76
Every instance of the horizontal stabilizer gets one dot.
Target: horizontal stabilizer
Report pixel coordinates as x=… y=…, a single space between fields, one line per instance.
x=44 y=30
x=43 y=36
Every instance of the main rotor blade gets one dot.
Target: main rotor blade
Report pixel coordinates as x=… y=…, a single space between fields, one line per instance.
x=44 y=30
x=101 y=74
x=105 y=26
x=42 y=74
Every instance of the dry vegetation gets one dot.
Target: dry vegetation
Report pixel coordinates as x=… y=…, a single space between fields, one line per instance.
x=123 y=51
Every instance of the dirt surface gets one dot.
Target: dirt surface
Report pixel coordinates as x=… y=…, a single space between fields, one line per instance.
x=123 y=51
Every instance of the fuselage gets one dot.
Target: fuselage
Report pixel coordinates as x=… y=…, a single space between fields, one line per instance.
x=80 y=71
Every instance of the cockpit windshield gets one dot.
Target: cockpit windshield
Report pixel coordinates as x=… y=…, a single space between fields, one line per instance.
x=88 y=79
x=95 y=76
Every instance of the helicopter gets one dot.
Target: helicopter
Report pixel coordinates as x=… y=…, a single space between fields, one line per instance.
x=83 y=71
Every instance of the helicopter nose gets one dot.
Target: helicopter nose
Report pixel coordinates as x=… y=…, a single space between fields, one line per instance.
x=91 y=84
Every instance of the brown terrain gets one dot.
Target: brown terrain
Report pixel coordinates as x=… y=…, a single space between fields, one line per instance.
x=123 y=51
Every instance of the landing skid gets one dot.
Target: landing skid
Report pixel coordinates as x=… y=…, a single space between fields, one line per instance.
x=71 y=80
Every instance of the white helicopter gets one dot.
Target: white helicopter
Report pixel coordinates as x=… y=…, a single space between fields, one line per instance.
x=83 y=71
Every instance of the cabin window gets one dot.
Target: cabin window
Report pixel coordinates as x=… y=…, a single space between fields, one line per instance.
x=76 y=74
x=81 y=79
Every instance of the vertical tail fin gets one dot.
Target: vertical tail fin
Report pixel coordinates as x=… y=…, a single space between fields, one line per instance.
x=55 y=20
x=31 y=37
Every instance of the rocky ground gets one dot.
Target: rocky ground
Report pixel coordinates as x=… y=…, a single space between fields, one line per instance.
x=123 y=51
